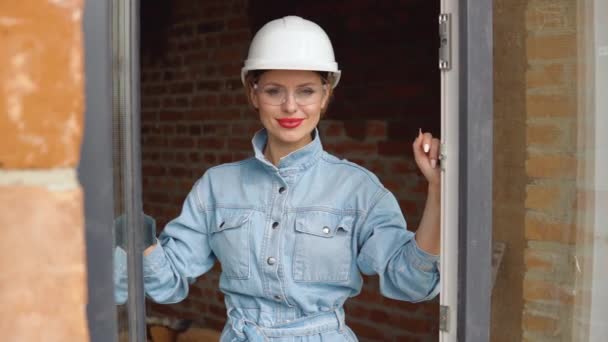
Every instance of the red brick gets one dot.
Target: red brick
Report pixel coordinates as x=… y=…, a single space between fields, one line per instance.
x=355 y=148
x=542 y=197
x=536 y=261
x=551 y=166
x=204 y=100
x=226 y=99
x=237 y=23
x=228 y=70
x=153 y=170
x=210 y=158
x=547 y=47
x=211 y=143
x=42 y=253
x=401 y=166
x=542 y=229
x=550 y=106
x=182 y=142
x=545 y=291
x=376 y=129
x=239 y=144
x=225 y=158
x=332 y=129
x=215 y=129
x=395 y=148
x=368 y=330
x=408 y=206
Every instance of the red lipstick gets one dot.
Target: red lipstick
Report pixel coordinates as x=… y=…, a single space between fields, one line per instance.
x=290 y=122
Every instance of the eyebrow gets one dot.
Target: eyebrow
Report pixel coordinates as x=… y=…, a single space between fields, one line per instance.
x=297 y=86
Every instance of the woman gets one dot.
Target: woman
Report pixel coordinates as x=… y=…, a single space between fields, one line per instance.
x=294 y=227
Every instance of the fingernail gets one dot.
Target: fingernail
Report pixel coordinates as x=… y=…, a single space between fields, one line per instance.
x=427 y=148
x=419 y=132
x=433 y=163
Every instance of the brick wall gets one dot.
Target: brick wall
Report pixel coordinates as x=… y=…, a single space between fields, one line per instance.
x=535 y=178
x=42 y=250
x=195 y=115
x=551 y=120
x=509 y=178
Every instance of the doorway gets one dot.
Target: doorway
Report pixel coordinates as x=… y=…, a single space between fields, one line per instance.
x=194 y=115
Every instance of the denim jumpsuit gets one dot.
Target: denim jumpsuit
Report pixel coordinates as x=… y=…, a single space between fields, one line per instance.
x=292 y=241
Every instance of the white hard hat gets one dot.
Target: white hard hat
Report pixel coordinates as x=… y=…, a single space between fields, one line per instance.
x=291 y=43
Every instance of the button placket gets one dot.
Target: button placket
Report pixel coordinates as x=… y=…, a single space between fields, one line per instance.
x=273 y=283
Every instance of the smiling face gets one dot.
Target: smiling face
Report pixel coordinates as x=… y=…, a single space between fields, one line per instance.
x=290 y=103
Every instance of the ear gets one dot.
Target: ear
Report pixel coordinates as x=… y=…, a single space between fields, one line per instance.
x=325 y=100
x=253 y=97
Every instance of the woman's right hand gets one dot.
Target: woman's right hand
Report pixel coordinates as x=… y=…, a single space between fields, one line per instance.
x=149 y=249
x=121 y=232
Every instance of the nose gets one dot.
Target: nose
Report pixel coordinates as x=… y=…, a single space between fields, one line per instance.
x=290 y=105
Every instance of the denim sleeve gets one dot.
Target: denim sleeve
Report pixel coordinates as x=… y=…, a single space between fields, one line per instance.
x=388 y=249
x=182 y=254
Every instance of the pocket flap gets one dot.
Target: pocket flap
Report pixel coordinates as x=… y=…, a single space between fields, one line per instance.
x=230 y=218
x=323 y=224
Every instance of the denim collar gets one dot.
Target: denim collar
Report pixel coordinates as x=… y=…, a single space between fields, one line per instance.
x=301 y=158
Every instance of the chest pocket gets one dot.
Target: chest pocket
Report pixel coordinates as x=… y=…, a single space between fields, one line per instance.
x=322 y=247
x=230 y=241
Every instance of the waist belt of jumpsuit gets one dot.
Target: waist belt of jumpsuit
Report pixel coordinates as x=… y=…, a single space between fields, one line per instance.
x=247 y=330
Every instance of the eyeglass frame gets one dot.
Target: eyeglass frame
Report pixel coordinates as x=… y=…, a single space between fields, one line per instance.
x=257 y=87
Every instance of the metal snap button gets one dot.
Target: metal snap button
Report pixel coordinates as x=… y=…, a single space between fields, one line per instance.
x=326 y=230
x=277 y=297
x=281 y=189
x=275 y=225
x=271 y=261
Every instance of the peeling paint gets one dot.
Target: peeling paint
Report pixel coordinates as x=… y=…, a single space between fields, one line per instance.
x=17 y=87
x=66 y=3
x=76 y=63
x=41 y=92
x=36 y=141
x=71 y=132
x=77 y=15
x=9 y=21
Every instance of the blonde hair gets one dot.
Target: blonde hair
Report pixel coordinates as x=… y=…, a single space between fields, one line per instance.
x=253 y=76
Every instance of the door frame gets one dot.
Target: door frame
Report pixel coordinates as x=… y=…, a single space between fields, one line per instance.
x=476 y=82
x=101 y=27
x=475 y=137
x=95 y=172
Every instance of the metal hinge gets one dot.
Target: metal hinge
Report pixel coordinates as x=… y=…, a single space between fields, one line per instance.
x=444 y=315
x=443 y=155
x=445 y=41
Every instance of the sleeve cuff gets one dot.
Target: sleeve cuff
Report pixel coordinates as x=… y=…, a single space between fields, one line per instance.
x=421 y=259
x=154 y=261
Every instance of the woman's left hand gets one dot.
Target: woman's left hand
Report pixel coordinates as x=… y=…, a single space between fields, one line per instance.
x=426 y=154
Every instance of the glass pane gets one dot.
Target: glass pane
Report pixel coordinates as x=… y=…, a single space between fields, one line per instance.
x=120 y=238
x=550 y=171
x=119 y=152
